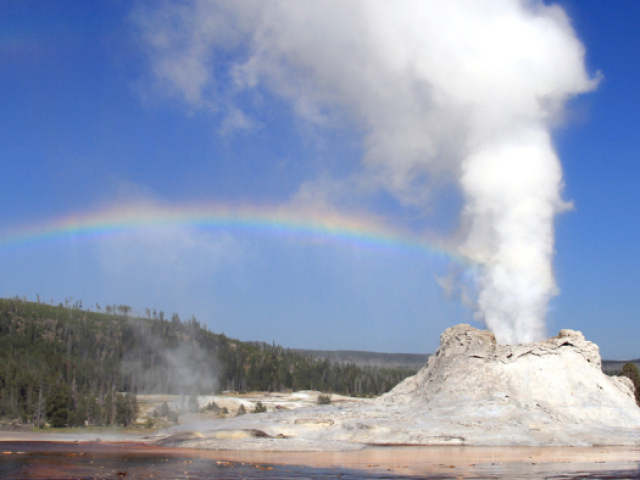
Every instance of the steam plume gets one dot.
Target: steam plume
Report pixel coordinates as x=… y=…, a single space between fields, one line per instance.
x=456 y=90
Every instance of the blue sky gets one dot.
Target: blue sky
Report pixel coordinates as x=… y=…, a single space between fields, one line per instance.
x=88 y=124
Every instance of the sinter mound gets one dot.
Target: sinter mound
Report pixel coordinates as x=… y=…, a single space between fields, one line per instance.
x=471 y=392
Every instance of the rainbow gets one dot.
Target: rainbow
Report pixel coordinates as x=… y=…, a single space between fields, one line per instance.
x=358 y=232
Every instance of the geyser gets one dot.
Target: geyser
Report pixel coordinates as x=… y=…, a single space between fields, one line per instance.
x=462 y=91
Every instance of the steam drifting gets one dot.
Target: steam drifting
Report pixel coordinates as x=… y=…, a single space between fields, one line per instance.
x=461 y=91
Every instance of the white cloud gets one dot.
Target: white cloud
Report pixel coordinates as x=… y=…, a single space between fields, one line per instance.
x=236 y=120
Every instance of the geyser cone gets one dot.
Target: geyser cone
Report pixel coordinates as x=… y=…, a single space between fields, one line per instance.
x=534 y=384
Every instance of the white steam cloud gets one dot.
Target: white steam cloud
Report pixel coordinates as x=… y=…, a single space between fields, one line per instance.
x=456 y=90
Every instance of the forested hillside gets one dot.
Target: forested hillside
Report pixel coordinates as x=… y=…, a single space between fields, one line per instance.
x=83 y=358
x=411 y=361
x=614 y=367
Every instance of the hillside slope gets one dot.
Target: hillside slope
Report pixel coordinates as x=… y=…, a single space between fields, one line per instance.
x=45 y=349
x=411 y=361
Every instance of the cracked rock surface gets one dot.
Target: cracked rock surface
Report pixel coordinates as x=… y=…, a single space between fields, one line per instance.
x=471 y=392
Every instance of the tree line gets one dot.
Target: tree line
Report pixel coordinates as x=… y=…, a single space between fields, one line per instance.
x=91 y=364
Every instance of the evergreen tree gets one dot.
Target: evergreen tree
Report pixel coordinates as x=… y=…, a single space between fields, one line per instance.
x=107 y=410
x=79 y=414
x=94 y=413
x=132 y=408
x=630 y=370
x=58 y=406
x=126 y=409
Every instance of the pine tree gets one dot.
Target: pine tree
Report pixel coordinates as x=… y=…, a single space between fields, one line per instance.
x=79 y=415
x=58 y=406
x=133 y=410
x=630 y=370
x=107 y=410
x=122 y=410
x=94 y=413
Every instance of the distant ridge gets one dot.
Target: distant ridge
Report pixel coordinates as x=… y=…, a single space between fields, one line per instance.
x=615 y=366
x=410 y=361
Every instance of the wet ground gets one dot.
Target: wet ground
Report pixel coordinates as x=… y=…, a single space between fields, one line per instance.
x=132 y=460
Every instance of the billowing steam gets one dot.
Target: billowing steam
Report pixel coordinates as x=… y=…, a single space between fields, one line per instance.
x=456 y=90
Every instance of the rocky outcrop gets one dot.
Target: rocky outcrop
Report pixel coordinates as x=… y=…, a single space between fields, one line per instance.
x=471 y=392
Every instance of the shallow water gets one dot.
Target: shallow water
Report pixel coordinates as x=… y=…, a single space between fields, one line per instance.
x=93 y=460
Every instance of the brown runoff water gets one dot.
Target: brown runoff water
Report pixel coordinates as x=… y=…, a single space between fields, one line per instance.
x=96 y=460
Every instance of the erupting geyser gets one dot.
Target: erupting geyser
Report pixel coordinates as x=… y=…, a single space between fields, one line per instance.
x=461 y=91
